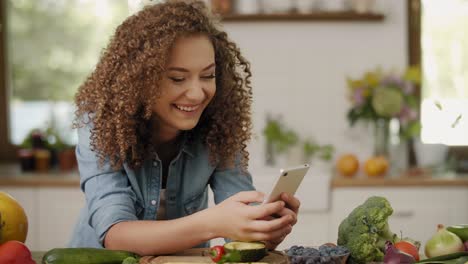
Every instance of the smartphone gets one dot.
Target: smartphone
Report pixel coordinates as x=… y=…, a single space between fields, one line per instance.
x=288 y=182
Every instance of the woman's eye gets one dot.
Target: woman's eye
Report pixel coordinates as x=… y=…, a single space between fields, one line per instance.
x=211 y=76
x=177 y=79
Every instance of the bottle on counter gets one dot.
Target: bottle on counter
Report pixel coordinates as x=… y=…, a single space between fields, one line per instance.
x=42 y=160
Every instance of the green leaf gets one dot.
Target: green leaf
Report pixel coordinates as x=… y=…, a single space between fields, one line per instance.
x=326 y=152
x=411 y=130
x=438 y=105
x=455 y=123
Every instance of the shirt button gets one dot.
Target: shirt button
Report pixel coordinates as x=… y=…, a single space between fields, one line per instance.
x=155 y=163
x=153 y=202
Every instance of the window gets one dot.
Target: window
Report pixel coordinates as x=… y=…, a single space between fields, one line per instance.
x=444 y=57
x=49 y=48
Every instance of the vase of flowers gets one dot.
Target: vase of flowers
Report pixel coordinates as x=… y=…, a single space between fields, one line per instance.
x=379 y=97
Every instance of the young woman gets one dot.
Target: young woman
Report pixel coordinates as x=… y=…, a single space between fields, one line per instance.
x=165 y=114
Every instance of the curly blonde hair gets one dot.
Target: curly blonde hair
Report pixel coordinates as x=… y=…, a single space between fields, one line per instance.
x=119 y=94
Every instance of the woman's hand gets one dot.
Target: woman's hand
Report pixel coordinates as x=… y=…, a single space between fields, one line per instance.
x=234 y=218
x=291 y=209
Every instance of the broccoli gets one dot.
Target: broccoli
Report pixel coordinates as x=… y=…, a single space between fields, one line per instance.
x=365 y=231
x=130 y=260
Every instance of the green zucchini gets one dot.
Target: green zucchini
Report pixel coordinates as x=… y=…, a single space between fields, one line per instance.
x=459 y=230
x=444 y=258
x=86 y=256
x=248 y=251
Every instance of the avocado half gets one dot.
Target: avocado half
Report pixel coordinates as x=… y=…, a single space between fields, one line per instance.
x=460 y=230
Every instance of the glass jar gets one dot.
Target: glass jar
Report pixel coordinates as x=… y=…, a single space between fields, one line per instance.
x=381 y=137
x=42 y=160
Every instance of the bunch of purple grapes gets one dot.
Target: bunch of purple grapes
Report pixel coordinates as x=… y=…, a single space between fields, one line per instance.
x=325 y=254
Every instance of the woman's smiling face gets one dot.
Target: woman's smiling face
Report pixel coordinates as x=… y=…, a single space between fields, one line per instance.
x=187 y=86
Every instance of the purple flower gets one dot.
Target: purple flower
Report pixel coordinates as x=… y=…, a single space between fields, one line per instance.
x=408 y=87
x=392 y=80
x=358 y=96
x=407 y=115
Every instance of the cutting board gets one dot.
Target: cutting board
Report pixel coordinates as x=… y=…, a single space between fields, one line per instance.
x=200 y=255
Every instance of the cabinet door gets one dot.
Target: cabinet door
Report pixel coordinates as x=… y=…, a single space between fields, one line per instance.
x=27 y=197
x=310 y=230
x=58 y=213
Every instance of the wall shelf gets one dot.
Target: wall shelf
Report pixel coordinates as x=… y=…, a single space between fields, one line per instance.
x=291 y=17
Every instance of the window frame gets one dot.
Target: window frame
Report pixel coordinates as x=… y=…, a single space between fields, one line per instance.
x=415 y=58
x=7 y=149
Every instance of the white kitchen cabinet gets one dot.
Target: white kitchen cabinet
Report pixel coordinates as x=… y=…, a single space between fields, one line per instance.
x=417 y=210
x=311 y=229
x=27 y=197
x=59 y=211
x=52 y=213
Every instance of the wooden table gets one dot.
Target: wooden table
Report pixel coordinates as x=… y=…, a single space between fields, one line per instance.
x=191 y=255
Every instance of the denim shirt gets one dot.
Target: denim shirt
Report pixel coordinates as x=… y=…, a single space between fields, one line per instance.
x=117 y=195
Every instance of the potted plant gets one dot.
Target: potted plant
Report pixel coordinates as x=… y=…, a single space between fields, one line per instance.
x=279 y=139
x=64 y=153
x=43 y=149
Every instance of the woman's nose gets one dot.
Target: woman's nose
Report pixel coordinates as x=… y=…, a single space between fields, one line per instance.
x=195 y=91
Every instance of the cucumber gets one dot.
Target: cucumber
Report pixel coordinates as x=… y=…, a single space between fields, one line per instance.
x=86 y=256
x=459 y=230
x=444 y=258
x=248 y=251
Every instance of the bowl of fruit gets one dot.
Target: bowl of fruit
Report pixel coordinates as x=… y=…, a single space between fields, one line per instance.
x=324 y=254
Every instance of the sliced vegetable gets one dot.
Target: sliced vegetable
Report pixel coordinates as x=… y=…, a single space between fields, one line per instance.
x=443 y=242
x=248 y=251
x=408 y=248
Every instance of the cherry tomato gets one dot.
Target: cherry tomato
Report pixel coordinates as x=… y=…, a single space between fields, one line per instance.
x=216 y=253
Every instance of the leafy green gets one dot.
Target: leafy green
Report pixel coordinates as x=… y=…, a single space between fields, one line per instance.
x=130 y=260
x=279 y=136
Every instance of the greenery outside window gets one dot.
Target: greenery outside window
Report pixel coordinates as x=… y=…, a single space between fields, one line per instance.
x=444 y=44
x=49 y=48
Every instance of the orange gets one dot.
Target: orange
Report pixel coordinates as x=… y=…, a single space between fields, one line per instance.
x=347 y=165
x=13 y=220
x=376 y=166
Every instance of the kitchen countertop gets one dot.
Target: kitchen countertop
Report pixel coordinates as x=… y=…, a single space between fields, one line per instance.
x=10 y=175
x=416 y=181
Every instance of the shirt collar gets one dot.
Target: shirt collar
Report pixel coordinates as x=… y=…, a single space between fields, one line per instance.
x=188 y=144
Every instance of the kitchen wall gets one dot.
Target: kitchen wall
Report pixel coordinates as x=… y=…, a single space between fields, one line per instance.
x=300 y=68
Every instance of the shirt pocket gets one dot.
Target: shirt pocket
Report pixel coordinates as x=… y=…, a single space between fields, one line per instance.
x=196 y=203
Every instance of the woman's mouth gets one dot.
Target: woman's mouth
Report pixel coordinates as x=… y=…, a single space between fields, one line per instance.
x=187 y=108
